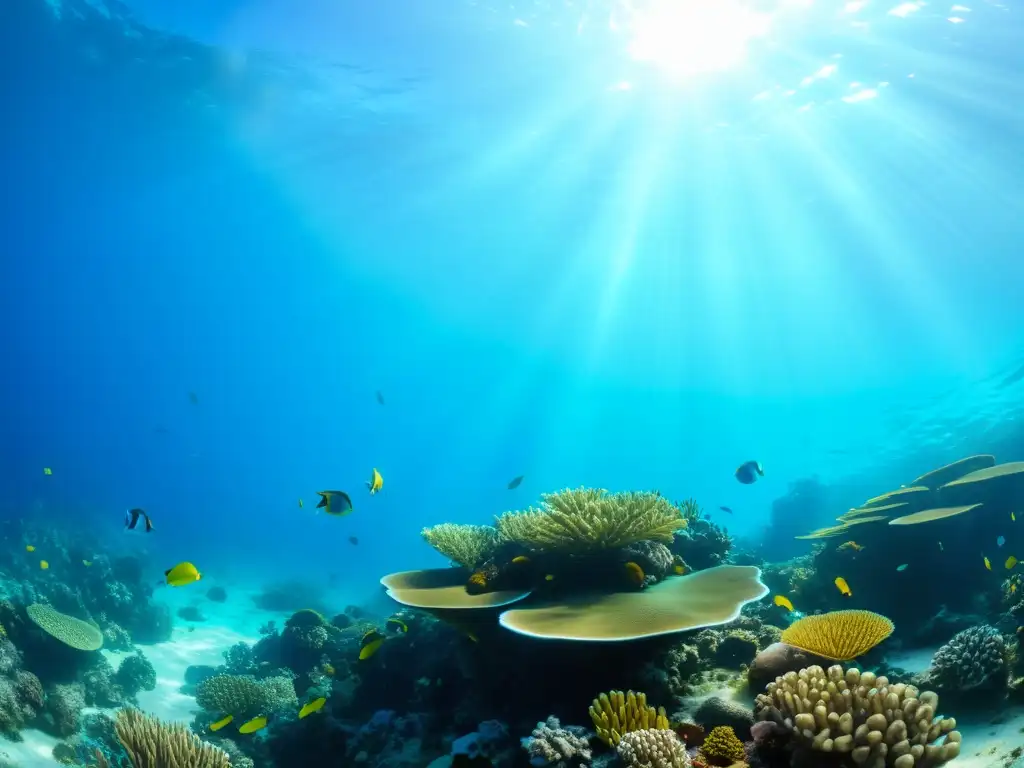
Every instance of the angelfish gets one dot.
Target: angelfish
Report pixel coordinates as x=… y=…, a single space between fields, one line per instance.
x=375 y=483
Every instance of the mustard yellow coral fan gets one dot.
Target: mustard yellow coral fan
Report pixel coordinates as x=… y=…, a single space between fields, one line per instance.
x=616 y=713
x=589 y=519
x=468 y=545
x=722 y=747
x=839 y=635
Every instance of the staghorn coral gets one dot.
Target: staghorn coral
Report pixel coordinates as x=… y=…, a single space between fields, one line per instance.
x=245 y=696
x=976 y=659
x=652 y=748
x=839 y=635
x=860 y=714
x=468 y=545
x=722 y=747
x=616 y=713
x=69 y=630
x=586 y=520
x=151 y=743
x=552 y=745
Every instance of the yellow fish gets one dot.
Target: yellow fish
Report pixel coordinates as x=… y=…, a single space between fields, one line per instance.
x=400 y=625
x=783 y=602
x=549 y=577
x=679 y=570
x=988 y=564
x=87 y=563
x=520 y=560
x=30 y=548
x=221 y=723
x=1013 y=517
x=300 y=503
x=256 y=724
x=47 y=471
x=376 y=482
x=1010 y=562
x=849 y=545
x=182 y=574
x=44 y=565
x=635 y=573
x=370 y=644
x=843 y=587
x=1013 y=588
x=314 y=706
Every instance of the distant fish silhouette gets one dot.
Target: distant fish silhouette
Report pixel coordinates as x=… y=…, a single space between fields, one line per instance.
x=749 y=471
x=514 y=482
x=726 y=509
x=353 y=540
x=193 y=398
x=380 y=397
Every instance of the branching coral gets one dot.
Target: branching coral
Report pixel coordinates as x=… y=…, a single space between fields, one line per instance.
x=860 y=714
x=244 y=696
x=588 y=520
x=468 y=545
x=552 y=745
x=975 y=659
x=722 y=747
x=652 y=748
x=616 y=713
x=153 y=744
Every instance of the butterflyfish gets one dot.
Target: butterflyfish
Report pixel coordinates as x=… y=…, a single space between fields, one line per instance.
x=29 y=548
x=988 y=564
x=256 y=724
x=1010 y=562
x=47 y=471
x=44 y=565
x=131 y=519
x=515 y=481
x=784 y=602
x=749 y=471
x=335 y=503
x=398 y=625
x=314 y=706
x=679 y=569
x=221 y=723
x=843 y=587
x=182 y=574
x=370 y=644
x=376 y=482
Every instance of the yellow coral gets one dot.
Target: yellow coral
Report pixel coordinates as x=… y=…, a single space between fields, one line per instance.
x=590 y=519
x=615 y=713
x=722 y=747
x=153 y=744
x=839 y=635
x=468 y=545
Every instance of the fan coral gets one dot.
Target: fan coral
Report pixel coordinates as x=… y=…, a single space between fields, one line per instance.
x=151 y=743
x=244 y=696
x=552 y=745
x=975 y=659
x=839 y=635
x=69 y=630
x=722 y=747
x=590 y=520
x=468 y=545
x=653 y=748
x=616 y=713
x=861 y=714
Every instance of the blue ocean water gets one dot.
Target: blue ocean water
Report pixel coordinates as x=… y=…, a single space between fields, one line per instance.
x=567 y=241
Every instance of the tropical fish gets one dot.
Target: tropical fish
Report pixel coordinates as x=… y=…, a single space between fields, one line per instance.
x=221 y=723
x=182 y=574
x=726 y=509
x=679 y=569
x=300 y=503
x=376 y=482
x=370 y=644
x=635 y=574
x=749 y=471
x=131 y=519
x=1013 y=588
x=549 y=577
x=314 y=706
x=1010 y=562
x=849 y=545
x=336 y=503
x=941 y=548
x=256 y=724
x=380 y=397
x=902 y=568
x=515 y=481
x=1013 y=517
x=353 y=540
x=87 y=563
x=329 y=670
x=44 y=565
x=784 y=602
x=399 y=625
x=47 y=471
x=1000 y=541
x=843 y=587
x=29 y=548
x=988 y=564
x=520 y=560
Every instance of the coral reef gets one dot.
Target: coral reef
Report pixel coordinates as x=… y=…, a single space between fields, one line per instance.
x=722 y=747
x=467 y=545
x=151 y=743
x=839 y=635
x=652 y=748
x=975 y=660
x=244 y=696
x=556 y=746
x=616 y=713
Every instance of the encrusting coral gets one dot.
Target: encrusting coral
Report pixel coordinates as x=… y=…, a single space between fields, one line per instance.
x=722 y=747
x=69 y=630
x=839 y=635
x=860 y=714
x=975 y=659
x=652 y=748
x=616 y=713
x=151 y=743
x=552 y=744
x=587 y=520
x=468 y=545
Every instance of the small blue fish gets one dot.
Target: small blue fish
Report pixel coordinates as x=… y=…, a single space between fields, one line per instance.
x=1000 y=541
x=902 y=568
x=749 y=471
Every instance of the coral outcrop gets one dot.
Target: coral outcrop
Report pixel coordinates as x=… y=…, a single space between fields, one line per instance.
x=557 y=746
x=975 y=660
x=652 y=748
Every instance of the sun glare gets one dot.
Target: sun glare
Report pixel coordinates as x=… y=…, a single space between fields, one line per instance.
x=689 y=37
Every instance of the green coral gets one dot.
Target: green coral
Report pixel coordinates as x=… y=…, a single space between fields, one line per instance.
x=69 y=630
x=468 y=545
x=722 y=747
x=244 y=696
x=586 y=520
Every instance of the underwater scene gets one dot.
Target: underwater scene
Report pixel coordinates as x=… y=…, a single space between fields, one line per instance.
x=512 y=384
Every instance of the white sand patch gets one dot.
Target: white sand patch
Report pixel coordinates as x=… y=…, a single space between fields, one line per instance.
x=34 y=751
x=914 y=660
x=987 y=744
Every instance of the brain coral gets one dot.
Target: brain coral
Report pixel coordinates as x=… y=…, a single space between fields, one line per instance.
x=69 y=630
x=860 y=714
x=839 y=635
x=976 y=659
